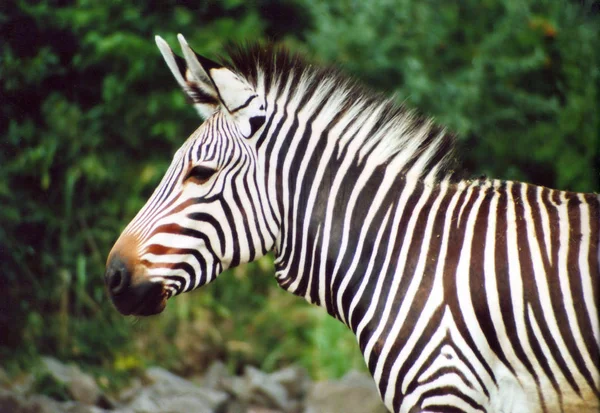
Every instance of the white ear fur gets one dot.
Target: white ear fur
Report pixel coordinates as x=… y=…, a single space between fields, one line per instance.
x=169 y=57
x=193 y=80
x=234 y=92
x=210 y=86
x=192 y=60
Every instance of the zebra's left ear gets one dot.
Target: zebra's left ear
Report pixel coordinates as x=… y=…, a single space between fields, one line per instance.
x=193 y=79
x=236 y=95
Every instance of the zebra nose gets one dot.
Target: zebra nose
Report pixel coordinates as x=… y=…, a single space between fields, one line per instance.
x=117 y=277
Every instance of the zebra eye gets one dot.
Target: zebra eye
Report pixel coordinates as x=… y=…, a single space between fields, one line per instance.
x=200 y=174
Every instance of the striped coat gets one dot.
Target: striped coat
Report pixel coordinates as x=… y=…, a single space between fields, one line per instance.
x=464 y=295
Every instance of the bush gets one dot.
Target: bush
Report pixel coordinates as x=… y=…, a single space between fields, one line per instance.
x=518 y=81
x=89 y=112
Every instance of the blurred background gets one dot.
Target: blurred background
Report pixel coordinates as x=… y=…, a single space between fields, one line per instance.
x=90 y=116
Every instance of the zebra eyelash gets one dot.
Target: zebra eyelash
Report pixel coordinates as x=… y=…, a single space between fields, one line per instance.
x=200 y=174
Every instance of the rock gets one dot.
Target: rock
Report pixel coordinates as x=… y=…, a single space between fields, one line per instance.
x=257 y=391
x=355 y=393
x=81 y=386
x=288 y=390
x=215 y=375
x=148 y=402
x=75 y=407
x=129 y=393
x=170 y=393
x=106 y=402
x=235 y=406
x=295 y=380
x=84 y=389
x=237 y=387
x=358 y=379
x=266 y=391
x=11 y=402
x=255 y=409
x=23 y=384
x=167 y=383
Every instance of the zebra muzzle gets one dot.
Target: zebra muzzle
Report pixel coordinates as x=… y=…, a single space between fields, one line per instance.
x=130 y=291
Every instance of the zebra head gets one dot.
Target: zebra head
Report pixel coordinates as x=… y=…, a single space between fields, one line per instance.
x=204 y=216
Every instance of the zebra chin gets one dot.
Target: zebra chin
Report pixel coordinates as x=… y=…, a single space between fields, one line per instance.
x=131 y=291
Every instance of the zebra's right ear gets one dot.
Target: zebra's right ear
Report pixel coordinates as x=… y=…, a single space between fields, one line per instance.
x=192 y=78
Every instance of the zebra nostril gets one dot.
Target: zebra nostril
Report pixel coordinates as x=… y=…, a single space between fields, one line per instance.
x=114 y=283
x=117 y=277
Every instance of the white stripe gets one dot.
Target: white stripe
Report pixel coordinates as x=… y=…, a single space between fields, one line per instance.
x=516 y=285
x=358 y=294
x=585 y=256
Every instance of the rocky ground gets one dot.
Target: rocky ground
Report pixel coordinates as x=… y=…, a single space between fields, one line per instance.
x=289 y=390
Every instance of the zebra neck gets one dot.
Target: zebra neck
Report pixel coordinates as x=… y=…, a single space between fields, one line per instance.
x=338 y=216
x=325 y=154
x=376 y=235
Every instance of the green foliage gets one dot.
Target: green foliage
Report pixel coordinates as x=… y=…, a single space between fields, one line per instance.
x=90 y=114
x=519 y=81
x=88 y=119
x=47 y=385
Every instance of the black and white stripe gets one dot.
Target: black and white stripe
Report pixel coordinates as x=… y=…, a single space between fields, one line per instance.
x=471 y=296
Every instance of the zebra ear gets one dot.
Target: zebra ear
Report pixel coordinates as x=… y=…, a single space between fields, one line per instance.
x=192 y=78
x=235 y=94
x=244 y=104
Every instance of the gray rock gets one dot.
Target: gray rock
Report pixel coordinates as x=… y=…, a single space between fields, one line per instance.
x=75 y=407
x=358 y=379
x=169 y=393
x=258 y=409
x=148 y=402
x=235 y=406
x=81 y=386
x=129 y=393
x=23 y=385
x=355 y=393
x=258 y=391
x=295 y=380
x=285 y=391
x=265 y=391
x=167 y=383
x=238 y=388
x=11 y=402
x=215 y=375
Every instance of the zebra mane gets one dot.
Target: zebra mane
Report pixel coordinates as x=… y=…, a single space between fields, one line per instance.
x=424 y=148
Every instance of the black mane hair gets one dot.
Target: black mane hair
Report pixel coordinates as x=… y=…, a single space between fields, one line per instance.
x=276 y=65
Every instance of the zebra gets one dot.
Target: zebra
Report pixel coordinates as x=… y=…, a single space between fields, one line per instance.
x=464 y=295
